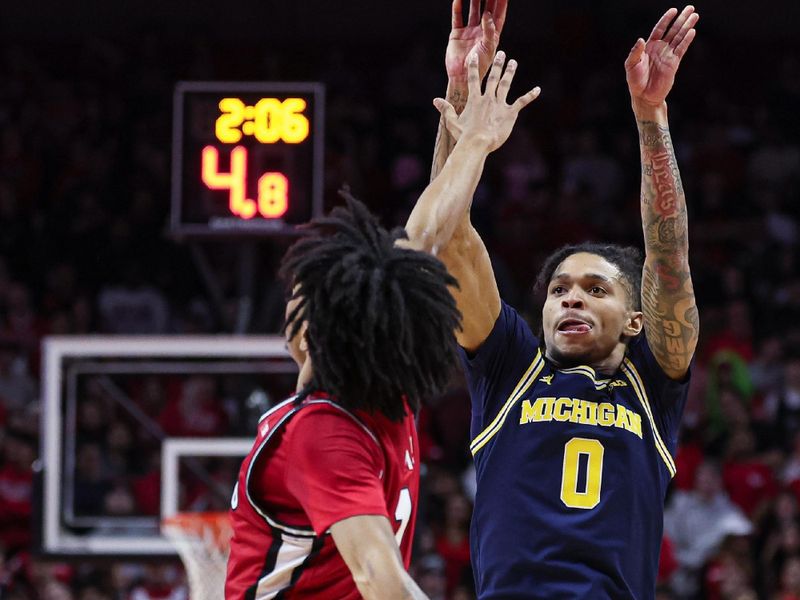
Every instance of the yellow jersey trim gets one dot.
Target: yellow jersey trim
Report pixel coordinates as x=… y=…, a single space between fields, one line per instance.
x=633 y=376
x=522 y=386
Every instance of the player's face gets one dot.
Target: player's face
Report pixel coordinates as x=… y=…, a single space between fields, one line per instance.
x=587 y=313
x=295 y=345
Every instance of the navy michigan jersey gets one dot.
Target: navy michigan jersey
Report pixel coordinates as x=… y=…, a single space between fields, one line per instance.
x=572 y=469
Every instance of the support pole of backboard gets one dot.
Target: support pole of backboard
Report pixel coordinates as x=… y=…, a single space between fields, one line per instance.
x=212 y=285
x=247 y=268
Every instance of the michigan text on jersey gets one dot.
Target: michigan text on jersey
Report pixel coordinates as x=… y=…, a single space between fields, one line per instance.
x=575 y=410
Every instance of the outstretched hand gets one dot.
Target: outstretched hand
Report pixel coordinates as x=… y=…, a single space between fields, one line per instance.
x=487 y=115
x=651 y=65
x=481 y=35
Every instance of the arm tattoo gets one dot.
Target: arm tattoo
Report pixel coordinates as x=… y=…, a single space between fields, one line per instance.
x=670 y=311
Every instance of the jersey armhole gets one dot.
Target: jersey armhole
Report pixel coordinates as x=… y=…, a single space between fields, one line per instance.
x=258 y=457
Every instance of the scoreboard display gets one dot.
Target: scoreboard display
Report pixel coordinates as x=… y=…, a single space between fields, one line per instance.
x=247 y=157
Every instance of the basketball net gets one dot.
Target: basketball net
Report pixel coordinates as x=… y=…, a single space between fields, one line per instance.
x=203 y=543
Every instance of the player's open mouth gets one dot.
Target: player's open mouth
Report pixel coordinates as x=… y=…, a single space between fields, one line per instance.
x=574 y=327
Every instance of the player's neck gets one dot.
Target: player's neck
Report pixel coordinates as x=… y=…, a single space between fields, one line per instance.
x=610 y=364
x=306 y=373
x=607 y=366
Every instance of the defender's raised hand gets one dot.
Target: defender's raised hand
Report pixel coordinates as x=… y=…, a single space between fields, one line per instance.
x=480 y=35
x=651 y=66
x=487 y=115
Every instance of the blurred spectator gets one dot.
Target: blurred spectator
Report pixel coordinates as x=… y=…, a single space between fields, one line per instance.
x=196 y=412
x=728 y=395
x=688 y=458
x=453 y=542
x=749 y=481
x=429 y=572
x=781 y=514
x=22 y=324
x=133 y=307
x=737 y=335
x=119 y=501
x=147 y=487
x=161 y=582
x=780 y=546
x=667 y=563
x=790 y=580
x=782 y=406
x=588 y=168
x=776 y=162
x=16 y=490
x=729 y=574
x=766 y=370
x=17 y=389
x=697 y=522
x=91 y=480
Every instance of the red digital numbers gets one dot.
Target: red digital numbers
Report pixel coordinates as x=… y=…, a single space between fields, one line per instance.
x=273 y=188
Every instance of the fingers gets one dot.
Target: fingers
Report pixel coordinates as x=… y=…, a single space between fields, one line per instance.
x=446 y=109
x=474 y=13
x=494 y=73
x=505 y=81
x=523 y=101
x=635 y=55
x=458 y=17
x=678 y=23
x=685 y=43
x=499 y=15
x=661 y=26
x=488 y=29
x=449 y=116
x=489 y=6
x=473 y=78
x=684 y=30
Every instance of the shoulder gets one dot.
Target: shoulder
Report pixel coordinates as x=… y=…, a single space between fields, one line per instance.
x=320 y=421
x=513 y=322
x=510 y=334
x=640 y=356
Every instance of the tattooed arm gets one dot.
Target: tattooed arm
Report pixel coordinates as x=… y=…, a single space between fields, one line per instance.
x=670 y=313
x=671 y=320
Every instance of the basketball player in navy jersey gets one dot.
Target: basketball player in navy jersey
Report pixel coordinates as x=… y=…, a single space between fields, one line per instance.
x=574 y=430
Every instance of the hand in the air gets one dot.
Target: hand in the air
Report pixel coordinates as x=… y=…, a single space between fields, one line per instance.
x=487 y=115
x=481 y=35
x=651 y=66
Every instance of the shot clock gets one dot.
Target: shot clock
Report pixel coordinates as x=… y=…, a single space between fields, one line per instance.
x=247 y=157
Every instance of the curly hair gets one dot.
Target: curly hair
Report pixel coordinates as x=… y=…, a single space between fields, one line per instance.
x=628 y=259
x=380 y=319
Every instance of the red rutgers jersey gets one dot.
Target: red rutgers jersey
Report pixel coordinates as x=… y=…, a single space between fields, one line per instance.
x=314 y=464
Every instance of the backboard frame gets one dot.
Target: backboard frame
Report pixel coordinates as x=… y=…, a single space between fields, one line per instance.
x=56 y=541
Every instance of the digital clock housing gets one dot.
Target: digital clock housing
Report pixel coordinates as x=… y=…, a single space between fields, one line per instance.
x=247 y=157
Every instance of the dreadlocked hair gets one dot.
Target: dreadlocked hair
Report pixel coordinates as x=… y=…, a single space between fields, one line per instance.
x=380 y=319
x=627 y=259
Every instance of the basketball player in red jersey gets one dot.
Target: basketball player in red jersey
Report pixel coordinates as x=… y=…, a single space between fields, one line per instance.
x=326 y=501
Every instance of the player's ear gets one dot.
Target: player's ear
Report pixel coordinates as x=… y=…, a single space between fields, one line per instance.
x=634 y=324
x=303 y=341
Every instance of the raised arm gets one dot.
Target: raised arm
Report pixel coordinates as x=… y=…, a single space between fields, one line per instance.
x=671 y=320
x=436 y=223
x=370 y=551
x=480 y=35
x=465 y=254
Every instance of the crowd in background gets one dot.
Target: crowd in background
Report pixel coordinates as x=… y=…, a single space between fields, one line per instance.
x=84 y=200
